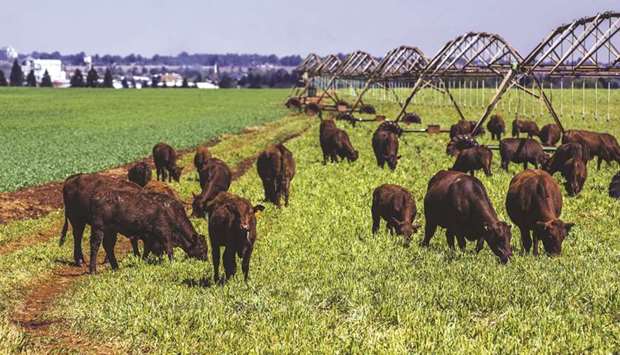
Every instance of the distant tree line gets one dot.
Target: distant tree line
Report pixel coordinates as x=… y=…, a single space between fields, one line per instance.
x=181 y=59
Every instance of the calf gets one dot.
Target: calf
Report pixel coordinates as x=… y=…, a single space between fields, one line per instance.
x=385 y=147
x=550 y=134
x=614 y=186
x=397 y=207
x=496 y=126
x=165 y=159
x=150 y=216
x=215 y=177
x=472 y=159
x=459 y=203
x=200 y=158
x=276 y=168
x=604 y=146
x=140 y=174
x=459 y=143
x=534 y=203
x=77 y=193
x=526 y=126
x=575 y=173
x=232 y=224
x=521 y=150
x=564 y=153
x=335 y=143
x=465 y=127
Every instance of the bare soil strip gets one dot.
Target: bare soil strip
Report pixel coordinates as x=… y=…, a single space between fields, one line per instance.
x=30 y=315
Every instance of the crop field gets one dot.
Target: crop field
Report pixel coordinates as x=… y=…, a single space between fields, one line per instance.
x=43 y=130
x=320 y=282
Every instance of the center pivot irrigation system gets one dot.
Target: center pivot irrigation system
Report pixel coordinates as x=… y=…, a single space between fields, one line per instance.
x=587 y=48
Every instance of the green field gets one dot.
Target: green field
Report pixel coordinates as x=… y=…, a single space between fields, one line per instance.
x=321 y=282
x=47 y=135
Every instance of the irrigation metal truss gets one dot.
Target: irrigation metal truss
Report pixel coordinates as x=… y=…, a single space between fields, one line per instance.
x=308 y=68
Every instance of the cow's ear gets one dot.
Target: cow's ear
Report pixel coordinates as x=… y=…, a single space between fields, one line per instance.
x=568 y=227
x=259 y=208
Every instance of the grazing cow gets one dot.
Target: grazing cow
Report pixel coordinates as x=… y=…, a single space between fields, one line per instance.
x=604 y=146
x=232 y=224
x=397 y=207
x=496 y=126
x=459 y=143
x=276 y=168
x=385 y=146
x=215 y=177
x=200 y=158
x=614 y=186
x=409 y=118
x=575 y=173
x=165 y=159
x=521 y=150
x=150 y=216
x=465 y=127
x=564 y=153
x=459 y=203
x=550 y=134
x=77 y=192
x=534 y=203
x=140 y=174
x=472 y=159
x=335 y=143
x=525 y=126
x=391 y=126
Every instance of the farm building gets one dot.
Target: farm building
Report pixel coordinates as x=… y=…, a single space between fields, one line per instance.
x=53 y=67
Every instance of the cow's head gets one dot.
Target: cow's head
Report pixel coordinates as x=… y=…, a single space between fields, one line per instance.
x=575 y=173
x=552 y=233
x=176 y=173
x=498 y=237
x=198 y=206
x=198 y=248
x=392 y=161
x=352 y=155
x=406 y=229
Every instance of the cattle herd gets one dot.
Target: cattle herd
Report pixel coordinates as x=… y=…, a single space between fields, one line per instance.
x=142 y=209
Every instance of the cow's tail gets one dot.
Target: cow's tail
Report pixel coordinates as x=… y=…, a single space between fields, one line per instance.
x=63 y=233
x=515 y=129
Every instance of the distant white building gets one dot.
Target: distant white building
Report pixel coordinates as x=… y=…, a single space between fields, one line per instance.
x=53 y=67
x=207 y=85
x=8 y=54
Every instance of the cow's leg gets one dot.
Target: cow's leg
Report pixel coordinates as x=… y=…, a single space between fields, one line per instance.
x=324 y=158
x=78 y=233
x=96 y=237
x=598 y=163
x=479 y=244
x=471 y=172
x=376 y=220
x=535 y=252
x=134 y=246
x=277 y=192
x=245 y=263
x=429 y=231
x=230 y=265
x=215 y=255
x=462 y=243
x=450 y=238
x=525 y=165
x=526 y=240
x=504 y=164
x=287 y=187
x=109 y=240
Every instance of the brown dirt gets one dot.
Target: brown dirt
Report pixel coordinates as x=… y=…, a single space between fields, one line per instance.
x=31 y=314
x=37 y=201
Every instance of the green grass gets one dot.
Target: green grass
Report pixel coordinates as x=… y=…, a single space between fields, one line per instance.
x=47 y=135
x=320 y=282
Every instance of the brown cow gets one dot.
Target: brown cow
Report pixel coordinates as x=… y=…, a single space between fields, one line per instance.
x=385 y=147
x=276 y=168
x=564 y=153
x=472 y=159
x=614 y=186
x=150 y=216
x=604 y=146
x=335 y=143
x=575 y=173
x=140 y=174
x=496 y=126
x=460 y=142
x=215 y=177
x=550 y=134
x=397 y=207
x=521 y=150
x=165 y=159
x=534 y=203
x=465 y=127
x=391 y=126
x=201 y=157
x=77 y=192
x=232 y=224
x=459 y=203
x=525 y=126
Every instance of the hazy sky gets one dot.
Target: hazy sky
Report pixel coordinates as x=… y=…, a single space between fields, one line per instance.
x=276 y=26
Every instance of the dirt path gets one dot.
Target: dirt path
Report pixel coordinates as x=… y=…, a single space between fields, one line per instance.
x=31 y=314
x=37 y=201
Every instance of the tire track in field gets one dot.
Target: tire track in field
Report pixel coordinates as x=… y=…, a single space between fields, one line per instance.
x=53 y=335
